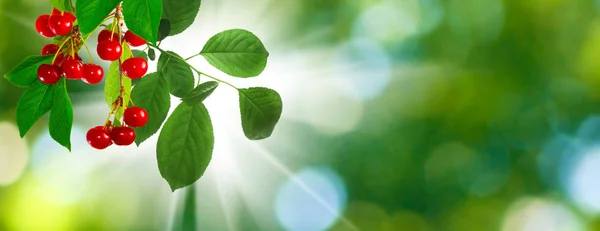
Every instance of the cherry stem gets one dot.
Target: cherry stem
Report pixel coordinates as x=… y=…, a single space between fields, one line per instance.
x=72 y=49
x=112 y=30
x=60 y=48
x=130 y=51
x=88 y=51
x=193 y=68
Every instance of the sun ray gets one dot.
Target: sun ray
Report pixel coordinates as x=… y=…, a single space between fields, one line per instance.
x=20 y=20
x=226 y=209
x=286 y=171
x=175 y=204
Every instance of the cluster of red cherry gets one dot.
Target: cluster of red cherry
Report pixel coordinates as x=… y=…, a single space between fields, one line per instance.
x=67 y=63
x=109 y=48
x=61 y=24
x=102 y=137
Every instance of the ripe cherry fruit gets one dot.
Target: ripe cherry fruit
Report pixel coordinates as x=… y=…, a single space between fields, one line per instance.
x=135 y=117
x=56 y=11
x=72 y=69
x=122 y=136
x=69 y=16
x=134 y=68
x=60 y=58
x=49 y=49
x=98 y=138
x=107 y=35
x=61 y=24
x=109 y=50
x=92 y=73
x=134 y=40
x=48 y=74
x=41 y=25
x=77 y=57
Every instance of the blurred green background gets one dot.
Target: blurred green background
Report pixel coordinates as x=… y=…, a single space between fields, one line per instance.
x=399 y=115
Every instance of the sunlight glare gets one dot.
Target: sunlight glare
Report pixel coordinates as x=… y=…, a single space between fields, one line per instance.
x=14 y=154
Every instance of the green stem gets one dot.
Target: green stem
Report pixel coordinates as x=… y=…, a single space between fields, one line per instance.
x=72 y=49
x=60 y=48
x=193 y=68
x=89 y=53
x=193 y=56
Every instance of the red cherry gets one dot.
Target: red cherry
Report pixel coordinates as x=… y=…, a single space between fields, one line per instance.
x=92 y=73
x=98 y=138
x=49 y=49
x=134 y=40
x=135 y=117
x=72 y=69
x=76 y=57
x=107 y=35
x=48 y=74
x=60 y=24
x=56 y=11
x=69 y=16
x=122 y=136
x=134 y=68
x=60 y=58
x=41 y=25
x=109 y=50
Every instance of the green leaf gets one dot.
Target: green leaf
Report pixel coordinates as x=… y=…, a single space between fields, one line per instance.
x=185 y=145
x=151 y=54
x=140 y=54
x=178 y=73
x=34 y=103
x=236 y=52
x=260 y=109
x=25 y=73
x=143 y=17
x=200 y=93
x=112 y=85
x=61 y=115
x=57 y=39
x=62 y=5
x=91 y=13
x=181 y=14
x=152 y=94
x=163 y=29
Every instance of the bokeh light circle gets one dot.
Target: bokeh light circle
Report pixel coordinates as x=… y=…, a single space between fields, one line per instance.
x=312 y=199
x=398 y=20
x=365 y=68
x=59 y=171
x=13 y=154
x=583 y=186
x=535 y=214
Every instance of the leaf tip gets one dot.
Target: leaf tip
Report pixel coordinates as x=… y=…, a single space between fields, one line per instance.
x=174 y=187
x=257 y=137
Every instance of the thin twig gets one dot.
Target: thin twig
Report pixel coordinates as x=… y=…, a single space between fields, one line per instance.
x=118 y=16
x=193 y=68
